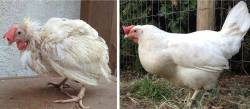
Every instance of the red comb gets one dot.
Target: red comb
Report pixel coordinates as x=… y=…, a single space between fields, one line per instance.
x=10 y=35
x=127 y=29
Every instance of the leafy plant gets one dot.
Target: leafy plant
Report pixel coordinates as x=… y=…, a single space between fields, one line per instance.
x=150 y=88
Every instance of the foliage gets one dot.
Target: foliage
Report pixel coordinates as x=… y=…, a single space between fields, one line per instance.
x=149 y=88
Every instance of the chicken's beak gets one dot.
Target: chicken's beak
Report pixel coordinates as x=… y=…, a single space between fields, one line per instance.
x=125 y=36
x=10 y=35
x=126 y=30
x=9 y=41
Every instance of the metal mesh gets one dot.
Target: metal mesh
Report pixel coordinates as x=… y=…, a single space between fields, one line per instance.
x=177 y=16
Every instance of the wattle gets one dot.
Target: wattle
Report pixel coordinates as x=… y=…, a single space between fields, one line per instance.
x=21 y=45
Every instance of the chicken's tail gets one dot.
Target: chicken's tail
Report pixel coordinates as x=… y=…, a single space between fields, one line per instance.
x=106 y=71
x=237 y=22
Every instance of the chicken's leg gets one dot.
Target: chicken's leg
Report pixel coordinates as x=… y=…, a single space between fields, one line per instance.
x=60 y=85
x=193 y=100
x=77 y=99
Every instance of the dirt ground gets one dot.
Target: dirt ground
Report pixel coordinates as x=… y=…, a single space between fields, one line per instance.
x=33 y=93
x=232 y=92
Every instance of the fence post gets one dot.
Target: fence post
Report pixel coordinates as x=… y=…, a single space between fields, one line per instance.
x=205 y=14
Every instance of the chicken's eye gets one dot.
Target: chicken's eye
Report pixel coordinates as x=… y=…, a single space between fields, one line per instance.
x=19 y=32
x=135 y=31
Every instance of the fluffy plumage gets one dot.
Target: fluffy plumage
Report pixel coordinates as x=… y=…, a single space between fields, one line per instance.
x=71 y=48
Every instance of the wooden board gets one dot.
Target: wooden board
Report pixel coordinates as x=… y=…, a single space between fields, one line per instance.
x=205 y=14
x=102 y=16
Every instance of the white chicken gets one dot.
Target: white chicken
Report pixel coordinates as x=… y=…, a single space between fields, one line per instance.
x=70 y=48
x=194 y=60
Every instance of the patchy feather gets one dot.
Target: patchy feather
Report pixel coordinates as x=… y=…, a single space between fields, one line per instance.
x=71 y=48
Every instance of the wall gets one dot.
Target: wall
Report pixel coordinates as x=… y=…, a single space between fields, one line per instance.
x=13 y=11
x=102 y=16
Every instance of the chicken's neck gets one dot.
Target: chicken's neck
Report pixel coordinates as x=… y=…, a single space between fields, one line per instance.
x=153 y=41
x=33 y=30
x=33 y=43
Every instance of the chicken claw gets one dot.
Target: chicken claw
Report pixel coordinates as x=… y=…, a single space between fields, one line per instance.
x=75 y=99
x=191 y=104
x=193 y=101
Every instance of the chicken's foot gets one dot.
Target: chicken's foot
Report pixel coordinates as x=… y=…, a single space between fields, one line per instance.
x=192 y=101
x=204 y=95
x=77 y=99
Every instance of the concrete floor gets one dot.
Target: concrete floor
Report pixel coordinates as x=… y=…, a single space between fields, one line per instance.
x=33 y=93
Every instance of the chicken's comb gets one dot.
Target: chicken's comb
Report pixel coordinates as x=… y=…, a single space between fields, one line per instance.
x=127 y=29
x=10 y=35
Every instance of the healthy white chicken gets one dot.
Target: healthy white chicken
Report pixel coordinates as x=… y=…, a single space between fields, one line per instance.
x=193 y=60
x=70 y=48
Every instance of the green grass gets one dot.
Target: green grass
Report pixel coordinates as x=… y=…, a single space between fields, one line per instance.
x=153 y=90
x=150 y=92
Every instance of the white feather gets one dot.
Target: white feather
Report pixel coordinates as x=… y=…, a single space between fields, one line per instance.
x=237 y=22
x=196 y=59
x=70 y=48
x=26 y=58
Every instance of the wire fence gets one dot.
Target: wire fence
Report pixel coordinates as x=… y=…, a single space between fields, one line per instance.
x=178 y=16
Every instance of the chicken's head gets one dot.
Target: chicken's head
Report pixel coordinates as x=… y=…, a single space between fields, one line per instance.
x=17 y=33
x=132 y=33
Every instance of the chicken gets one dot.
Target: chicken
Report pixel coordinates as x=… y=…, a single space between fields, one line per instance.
x=70 y=48
x=193 y=60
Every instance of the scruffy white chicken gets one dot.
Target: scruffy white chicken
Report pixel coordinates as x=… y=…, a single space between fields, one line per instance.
x=194 y=60
x=70 y=48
